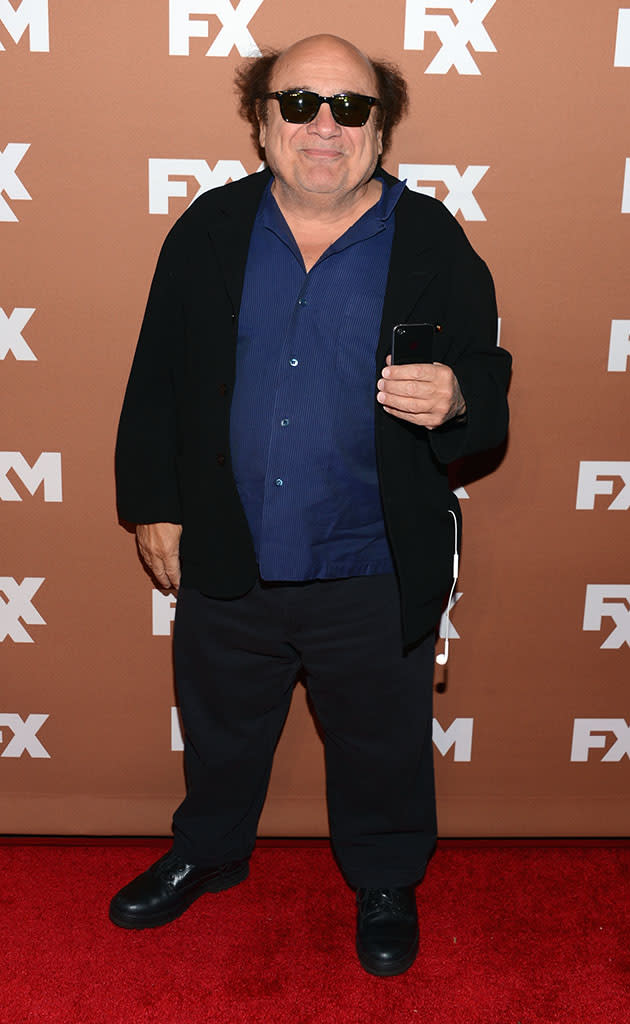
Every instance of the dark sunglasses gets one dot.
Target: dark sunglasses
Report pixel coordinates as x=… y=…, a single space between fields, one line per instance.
x=350 y=109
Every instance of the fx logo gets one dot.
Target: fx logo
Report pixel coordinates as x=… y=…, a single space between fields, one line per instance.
x=9 y=181
x=452 y=632
x=19 y=605
x=590 y=734
x=622 y=45
x=619 y=350
x=454 y=35
x=458 y=736
x=234 y=30
x=46 y=470
x=597 y=478
x=625 y=199
x=163 y=612
x=11 y=328
x=162 y=172
x=31 y=15
x=608 y=601
x=24 y=736
x=459 y=187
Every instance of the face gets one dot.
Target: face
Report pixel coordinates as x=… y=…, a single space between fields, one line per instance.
x=321 y=157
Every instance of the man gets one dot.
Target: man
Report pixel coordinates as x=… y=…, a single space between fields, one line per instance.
x=268 y=442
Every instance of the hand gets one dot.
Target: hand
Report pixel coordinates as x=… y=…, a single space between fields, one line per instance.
x=158 y=544
x=427 y=394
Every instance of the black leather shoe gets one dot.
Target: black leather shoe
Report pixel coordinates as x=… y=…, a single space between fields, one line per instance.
x=387 y=929
x=167 y=889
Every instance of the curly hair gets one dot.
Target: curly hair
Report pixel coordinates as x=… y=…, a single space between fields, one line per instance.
x=252 y=82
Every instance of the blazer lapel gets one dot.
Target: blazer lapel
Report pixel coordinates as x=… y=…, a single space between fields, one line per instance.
x=413 y=265
x=230 y=227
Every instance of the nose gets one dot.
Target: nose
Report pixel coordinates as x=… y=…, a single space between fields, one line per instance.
x=324 y=123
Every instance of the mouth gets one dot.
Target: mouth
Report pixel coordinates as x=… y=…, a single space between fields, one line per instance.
x=322 y=154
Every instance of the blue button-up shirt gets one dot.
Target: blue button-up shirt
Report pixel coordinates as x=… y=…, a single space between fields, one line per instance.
x=302 y=418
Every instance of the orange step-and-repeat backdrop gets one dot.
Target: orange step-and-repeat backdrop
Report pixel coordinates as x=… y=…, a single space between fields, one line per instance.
x=114 y=117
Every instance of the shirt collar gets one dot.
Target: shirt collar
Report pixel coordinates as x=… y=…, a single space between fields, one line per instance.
x=271 y=216
x=370 y=223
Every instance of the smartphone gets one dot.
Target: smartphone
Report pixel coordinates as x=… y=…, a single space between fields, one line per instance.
x=412 y=343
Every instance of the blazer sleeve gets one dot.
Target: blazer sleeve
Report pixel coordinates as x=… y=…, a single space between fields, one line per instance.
x=481 y=367
x=146 y=445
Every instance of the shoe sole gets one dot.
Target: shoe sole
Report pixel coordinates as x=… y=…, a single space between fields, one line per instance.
x=390 y=968
x=220 y=884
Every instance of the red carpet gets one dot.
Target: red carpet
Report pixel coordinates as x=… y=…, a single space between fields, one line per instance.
x=509 y=935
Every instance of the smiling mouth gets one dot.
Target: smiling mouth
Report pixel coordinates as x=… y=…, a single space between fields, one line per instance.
x=322 y=154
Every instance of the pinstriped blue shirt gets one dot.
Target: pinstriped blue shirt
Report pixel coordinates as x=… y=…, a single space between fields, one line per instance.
x=302 y=416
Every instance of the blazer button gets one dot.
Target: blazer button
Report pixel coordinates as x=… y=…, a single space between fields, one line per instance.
x=223 y=389
x=221 y=459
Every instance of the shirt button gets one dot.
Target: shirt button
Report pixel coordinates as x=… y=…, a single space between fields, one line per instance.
x=293 y=361
x=284 y=423
x=301 y=302
x=278 y=482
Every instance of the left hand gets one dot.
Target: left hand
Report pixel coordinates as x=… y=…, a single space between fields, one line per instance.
x=427 y=394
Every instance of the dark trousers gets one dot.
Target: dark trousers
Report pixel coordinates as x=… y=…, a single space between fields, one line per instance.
x=236 y=663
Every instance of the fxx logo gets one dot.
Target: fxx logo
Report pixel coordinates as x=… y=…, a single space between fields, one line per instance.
x=608 y=601
x=457 y=737
x=598 y=478
x=459 y=187
x=165 y=179
x=622 y=43
x=456 y=30
x=10 y=158
x=189 y=18
x=11 y=339
x=592 y=734
x=24 y=739
x=45 y=470
x=17 y=604
x=31 y=15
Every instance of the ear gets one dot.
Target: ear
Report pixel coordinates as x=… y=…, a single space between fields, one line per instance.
x=262 y=123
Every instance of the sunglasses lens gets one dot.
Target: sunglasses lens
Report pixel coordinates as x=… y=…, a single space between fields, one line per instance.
x=299 y=107
x=351 y=110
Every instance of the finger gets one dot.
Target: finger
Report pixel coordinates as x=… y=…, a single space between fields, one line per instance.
x=161 y=575
x=404 y=403
x=155 y=565
x=412 y=388
x=409 y=371
x=172 y=569
x=427 y=420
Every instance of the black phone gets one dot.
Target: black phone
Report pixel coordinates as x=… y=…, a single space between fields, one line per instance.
x=412 y=343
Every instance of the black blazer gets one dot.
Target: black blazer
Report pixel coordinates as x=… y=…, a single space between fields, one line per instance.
x=172 y=453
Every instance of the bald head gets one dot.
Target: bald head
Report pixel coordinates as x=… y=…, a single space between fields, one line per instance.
x=326 y=51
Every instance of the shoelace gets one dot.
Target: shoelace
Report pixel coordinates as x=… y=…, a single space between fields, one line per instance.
x=170 y=868
x=373 y=902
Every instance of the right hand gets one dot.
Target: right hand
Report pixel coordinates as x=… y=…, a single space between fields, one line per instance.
x=158 y=544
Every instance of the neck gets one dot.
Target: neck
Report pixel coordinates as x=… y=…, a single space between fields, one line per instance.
x=326 y=208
